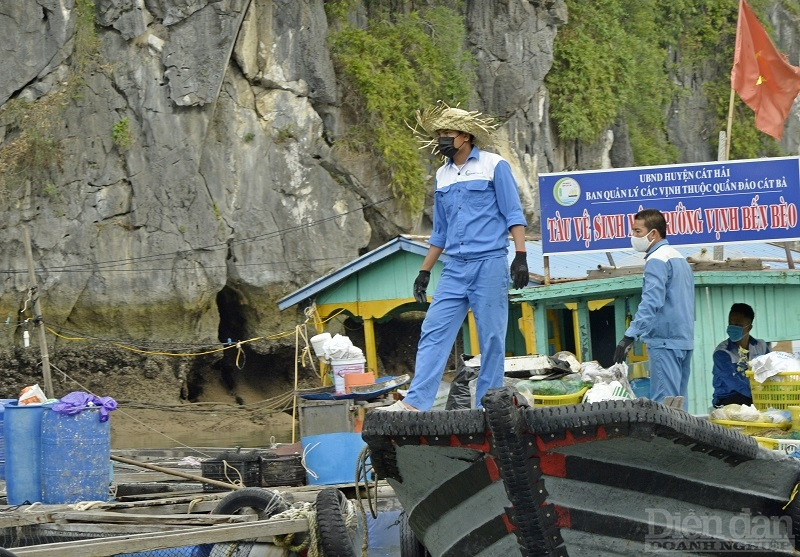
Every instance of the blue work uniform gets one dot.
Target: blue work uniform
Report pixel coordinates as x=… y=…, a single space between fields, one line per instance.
x=473 y=208
x=665 y=321
x=729 y=373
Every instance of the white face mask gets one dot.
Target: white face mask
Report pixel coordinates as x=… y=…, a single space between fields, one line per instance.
x=640 y=243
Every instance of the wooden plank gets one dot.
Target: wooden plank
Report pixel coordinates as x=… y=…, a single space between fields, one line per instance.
x=103 y=547
x=174 y=508
x=105 y=529
x=114 y=517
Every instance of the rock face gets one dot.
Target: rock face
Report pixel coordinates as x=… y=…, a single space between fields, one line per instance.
x=199 y=179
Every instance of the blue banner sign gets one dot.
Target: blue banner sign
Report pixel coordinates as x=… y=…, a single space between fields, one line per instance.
x=704 y=203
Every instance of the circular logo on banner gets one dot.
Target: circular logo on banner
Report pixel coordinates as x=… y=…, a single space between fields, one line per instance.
x=567 y=191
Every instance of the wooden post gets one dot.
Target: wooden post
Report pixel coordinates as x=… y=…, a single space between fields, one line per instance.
x=547 y=269
x=585 y=330
x=474 y=342
x=370 y=345
x=37 y=315
x=728 y=130
x=723 y=152
x=789 y=259
x=527 y=327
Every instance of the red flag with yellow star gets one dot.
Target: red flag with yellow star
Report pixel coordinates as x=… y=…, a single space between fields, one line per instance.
x=762 y=76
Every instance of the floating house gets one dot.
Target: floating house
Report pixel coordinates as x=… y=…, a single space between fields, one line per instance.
x=577 y=302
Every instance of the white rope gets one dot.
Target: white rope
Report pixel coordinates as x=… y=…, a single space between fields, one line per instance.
x=32 y=506
x=307 y=449
x=86 y=505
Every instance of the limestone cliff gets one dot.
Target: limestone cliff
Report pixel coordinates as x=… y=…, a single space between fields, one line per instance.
x=178 y=170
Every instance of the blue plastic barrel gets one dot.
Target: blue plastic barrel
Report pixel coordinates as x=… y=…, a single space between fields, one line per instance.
x=330 y=458
x=3 y=402
x=22 y=432
x=76 y=450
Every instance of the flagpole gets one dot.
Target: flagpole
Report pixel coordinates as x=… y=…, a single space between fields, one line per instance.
x=728 y=129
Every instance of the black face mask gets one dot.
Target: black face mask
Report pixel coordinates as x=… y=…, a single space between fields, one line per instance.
x=446 y=146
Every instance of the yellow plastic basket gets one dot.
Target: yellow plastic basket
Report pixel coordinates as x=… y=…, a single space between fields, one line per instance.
x=559 y=400
x=779 y=391
x=751 y=428
x=767 y=442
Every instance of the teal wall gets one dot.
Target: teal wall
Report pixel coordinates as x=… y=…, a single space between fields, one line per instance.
x=776 y=304
x=388 y=279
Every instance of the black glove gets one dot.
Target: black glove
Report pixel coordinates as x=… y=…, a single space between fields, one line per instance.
x=519 y=270
x=421 y=286
x=622 y=349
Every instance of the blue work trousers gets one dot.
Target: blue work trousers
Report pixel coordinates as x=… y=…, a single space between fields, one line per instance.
x=669 y=373
x=482 y=286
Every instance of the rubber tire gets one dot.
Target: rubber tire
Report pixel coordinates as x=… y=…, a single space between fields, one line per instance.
x=333 y=534
x=6 y=553
x=410 y=546
x=265 y=502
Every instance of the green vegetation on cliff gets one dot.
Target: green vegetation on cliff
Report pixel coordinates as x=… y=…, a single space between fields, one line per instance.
x=397 y=66
x=618 y=59
x=614 y=60
x=32 y=149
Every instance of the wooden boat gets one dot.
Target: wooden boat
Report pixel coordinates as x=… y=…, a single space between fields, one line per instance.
x=608 y=478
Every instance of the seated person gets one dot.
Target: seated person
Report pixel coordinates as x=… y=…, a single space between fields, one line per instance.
x=731 y=357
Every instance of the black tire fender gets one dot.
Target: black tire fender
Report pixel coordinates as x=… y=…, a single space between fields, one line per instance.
x=410 y=546
x=333 y=534
x=264 y=502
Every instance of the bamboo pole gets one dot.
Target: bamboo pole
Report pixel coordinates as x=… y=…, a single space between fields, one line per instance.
x=728 y=129
x=296 y=382
x=37 y=316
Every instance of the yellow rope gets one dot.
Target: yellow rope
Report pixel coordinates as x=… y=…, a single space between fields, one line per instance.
x=225 y=465
x=300 y=510
x=792 y=496
x=310 y=313
x=194 y=502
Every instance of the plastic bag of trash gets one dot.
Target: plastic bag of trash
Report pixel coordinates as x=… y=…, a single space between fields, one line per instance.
x=552 y=387
x=460 y=395
x=738 y=413
x=340 y=347
x=78 y=401
x=31 y=395
x=569 y=357
x=770 y=364
x=613 y=390
x=594 y=372
x=777 y=416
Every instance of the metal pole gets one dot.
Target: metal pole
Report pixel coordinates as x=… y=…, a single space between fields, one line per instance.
x=37 y=316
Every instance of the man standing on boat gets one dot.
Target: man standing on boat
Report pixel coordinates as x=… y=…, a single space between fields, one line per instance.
x=475 y=206
x=665 y=317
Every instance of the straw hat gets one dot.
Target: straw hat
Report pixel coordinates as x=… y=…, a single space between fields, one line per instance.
x=444 y=117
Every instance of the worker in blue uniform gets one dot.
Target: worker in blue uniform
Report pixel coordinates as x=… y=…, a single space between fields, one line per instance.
x=475 y=206
x=665 y=316
x=732 y=356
